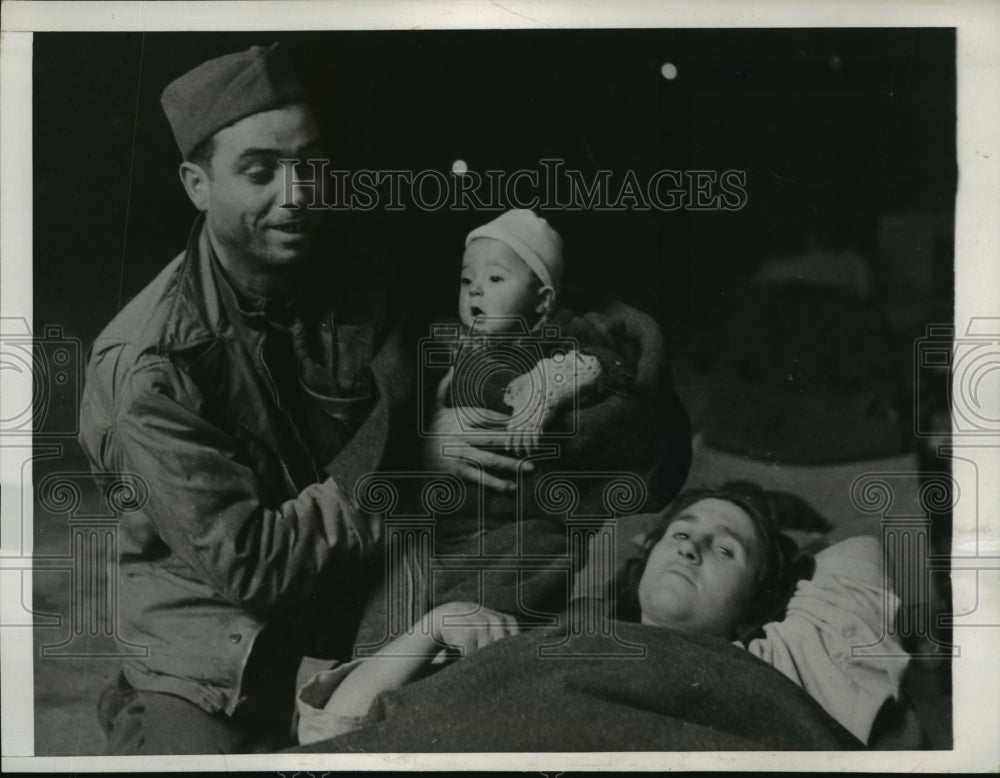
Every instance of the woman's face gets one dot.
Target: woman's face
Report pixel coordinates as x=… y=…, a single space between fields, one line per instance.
x=705 y=570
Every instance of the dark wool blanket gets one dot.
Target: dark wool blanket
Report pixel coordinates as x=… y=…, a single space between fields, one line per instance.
x=687 y=693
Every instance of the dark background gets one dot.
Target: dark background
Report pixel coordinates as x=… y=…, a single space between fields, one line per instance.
x=837 y=130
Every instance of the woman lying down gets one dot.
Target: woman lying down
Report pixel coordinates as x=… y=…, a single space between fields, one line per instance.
x=728 y=660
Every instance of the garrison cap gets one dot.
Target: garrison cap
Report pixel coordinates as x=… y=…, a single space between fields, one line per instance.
x=224 y=90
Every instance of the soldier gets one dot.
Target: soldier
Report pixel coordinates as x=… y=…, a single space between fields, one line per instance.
x=250 y=401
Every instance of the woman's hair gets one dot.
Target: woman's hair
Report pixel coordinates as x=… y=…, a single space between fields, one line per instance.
x=783 y=564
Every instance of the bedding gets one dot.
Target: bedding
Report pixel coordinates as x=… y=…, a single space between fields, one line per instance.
x=685 y=692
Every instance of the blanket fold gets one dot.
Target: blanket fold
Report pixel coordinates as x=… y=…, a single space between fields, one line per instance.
x=686 y=693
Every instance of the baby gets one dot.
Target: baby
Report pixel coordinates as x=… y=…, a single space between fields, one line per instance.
x=516 y=354
x=519 y=357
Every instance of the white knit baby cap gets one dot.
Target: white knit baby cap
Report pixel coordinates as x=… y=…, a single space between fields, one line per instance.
x=531 y=238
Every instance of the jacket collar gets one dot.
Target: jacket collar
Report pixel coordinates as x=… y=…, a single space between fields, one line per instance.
x=206 y=300
x=197 y=315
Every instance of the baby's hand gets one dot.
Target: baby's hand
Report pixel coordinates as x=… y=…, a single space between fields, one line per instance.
x=535 y=396
x=524 y=435
x=466 y=627
x=526 y=395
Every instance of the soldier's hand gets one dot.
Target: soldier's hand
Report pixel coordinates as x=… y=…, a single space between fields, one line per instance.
x=460 y=439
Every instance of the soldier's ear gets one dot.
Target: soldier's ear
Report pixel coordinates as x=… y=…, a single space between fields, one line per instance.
x=196 y=183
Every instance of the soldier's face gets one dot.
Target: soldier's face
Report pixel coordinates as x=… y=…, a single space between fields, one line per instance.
x=247 y=199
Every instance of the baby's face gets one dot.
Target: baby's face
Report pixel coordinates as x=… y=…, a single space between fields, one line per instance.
x=498 y=290
x=704 y=572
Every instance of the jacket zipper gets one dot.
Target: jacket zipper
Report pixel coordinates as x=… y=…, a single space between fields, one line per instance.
x=272 y=387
